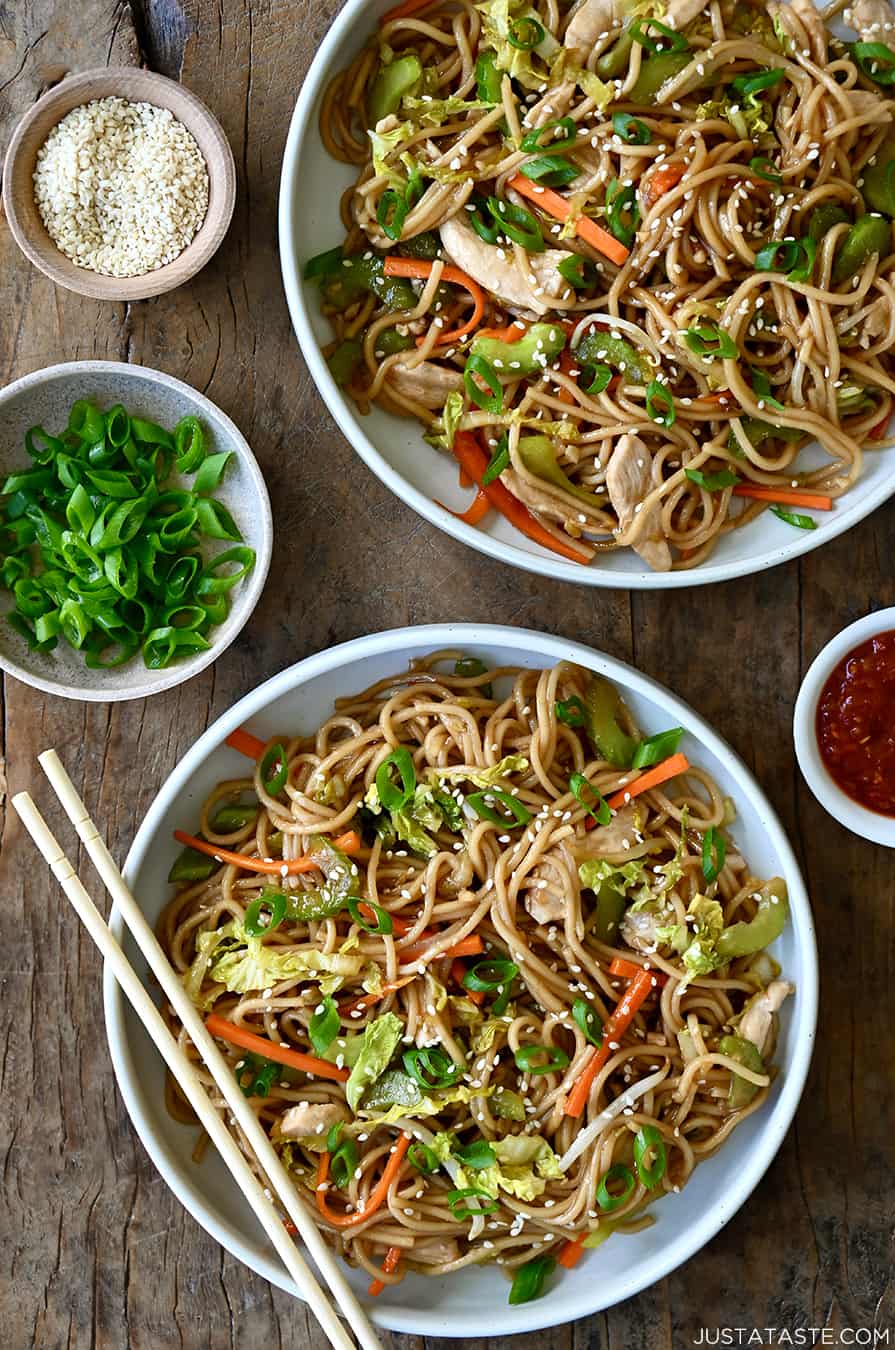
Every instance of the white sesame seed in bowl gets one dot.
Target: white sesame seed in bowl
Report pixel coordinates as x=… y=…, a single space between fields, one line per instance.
x=119 y=184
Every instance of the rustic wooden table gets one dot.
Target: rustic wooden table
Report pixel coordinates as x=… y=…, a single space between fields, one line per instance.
x=95 y=1250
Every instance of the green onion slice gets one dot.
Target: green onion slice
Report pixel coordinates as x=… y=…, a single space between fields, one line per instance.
x=660 y=404
x=747 y=86
x=622 y=211
x=470 y=666
x=712 y=482
x=761 y=387
x=876 y=60
x=514 y=812
x=528 y=1281
x=550 y=170
x=657 y=748
x=271 y=902
x=593 y=802
x=499 y=460
x=484 y=1203
x=255 y=1076
x=537 y=1059
x=431 y=1068
x=392 y=212
x=534 y=140
x=479 y=368
x=570 y=711
x=648 y=1141
x=668 y=41
x=795 y=518
x=584 y=1017
x=762 y=167
x=710 y=341
x=493 y=976
x=189 y=445
x=714 y=851
x=579 y=272
x=517 y=224
x=631 y=129
x=274 y=769
x=525 y=33
x=382 y=924
x=323 y=1027
x=475 y=210
x=476 y=1155
x=422 y=1157
x=795 y=257
x=343 y=1163
x=393 y=795
x=617 y=1174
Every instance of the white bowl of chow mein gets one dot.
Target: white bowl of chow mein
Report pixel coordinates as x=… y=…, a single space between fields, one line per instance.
x=631 y=276
x=482 y=919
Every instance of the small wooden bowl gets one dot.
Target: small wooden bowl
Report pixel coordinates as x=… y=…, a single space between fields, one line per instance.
x=138 y=86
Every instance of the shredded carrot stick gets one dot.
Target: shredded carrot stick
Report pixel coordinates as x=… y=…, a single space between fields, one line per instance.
x=468 y=946
x=419 y=269
x=512 y=333
x=458 y=970
x=566 y=364
x=473 y=515
x=390 y=1264
x=260 y=1045
x=815 y=501
x=558 y=207
x=349 y=843
x=474 y=460
x=245 y=743
x=376 y=1196
x=367 y=1000
x=662 y=181
x=404 y=11
x=626 y=1009
x=629 y=970
x=571 y=1252
x=669 y=768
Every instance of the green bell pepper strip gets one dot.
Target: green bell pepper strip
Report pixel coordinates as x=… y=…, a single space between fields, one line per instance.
x=608 y=913
x=339 y=882
x=539 y=457
x=741 y=1091
x=602 y=705
x=597 y=347
x=488 y=78
x=868 y=236
x=615 y=59
x=745 y=938
x=655 y=73
x=534 y=351
x=392 y=82
x=359 y=276
x=344 y=361
x=234 y=817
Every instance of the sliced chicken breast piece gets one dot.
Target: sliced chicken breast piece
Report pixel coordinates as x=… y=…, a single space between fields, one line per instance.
x=874 y=20
x=427 y=383
x=500 y=275
x=758 y=1023
x=628 y=481
x=613 y=839
x=310 y=1120
x=591 y=21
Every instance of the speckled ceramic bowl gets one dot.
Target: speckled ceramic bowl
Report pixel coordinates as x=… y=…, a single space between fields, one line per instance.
x=44 y=399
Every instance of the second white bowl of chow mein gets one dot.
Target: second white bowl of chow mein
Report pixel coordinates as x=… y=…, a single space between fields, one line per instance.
x=508 y=951
x=608 y=292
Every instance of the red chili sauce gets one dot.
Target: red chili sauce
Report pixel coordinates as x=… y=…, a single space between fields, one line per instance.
x=856 y=724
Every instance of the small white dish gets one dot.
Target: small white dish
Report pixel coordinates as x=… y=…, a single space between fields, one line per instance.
x=44 y=399
x=868 y=824
x=472 y=1304
x=311 y=190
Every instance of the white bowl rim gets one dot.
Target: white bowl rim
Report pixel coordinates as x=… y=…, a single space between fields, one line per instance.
x=868 y=824
x=258 y=576
x=304 y=123
x=536 y=1315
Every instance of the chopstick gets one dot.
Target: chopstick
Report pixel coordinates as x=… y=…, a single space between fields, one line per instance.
x=184 y=1071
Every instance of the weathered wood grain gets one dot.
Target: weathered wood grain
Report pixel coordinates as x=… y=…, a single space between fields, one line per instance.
x=95 y=1251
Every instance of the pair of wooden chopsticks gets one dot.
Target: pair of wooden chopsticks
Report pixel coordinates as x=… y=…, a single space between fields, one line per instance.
x=185 y=1072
